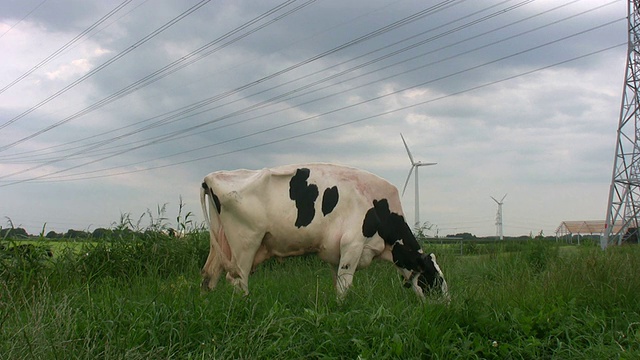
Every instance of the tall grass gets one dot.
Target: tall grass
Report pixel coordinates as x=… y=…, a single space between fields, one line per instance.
x=139 y=298
x=575 y=305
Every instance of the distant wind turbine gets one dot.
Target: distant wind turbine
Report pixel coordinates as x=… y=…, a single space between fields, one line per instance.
x=499 y=232
x=414 y=165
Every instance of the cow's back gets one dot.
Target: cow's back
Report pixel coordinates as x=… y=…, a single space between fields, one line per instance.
x=321 y=194
x=342 y=195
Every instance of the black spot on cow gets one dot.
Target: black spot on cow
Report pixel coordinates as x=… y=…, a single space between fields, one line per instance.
x=215 y=198
x=304 y=195
x=406 y=258
x=329 y=200
x=370 y=223
x=390 y=226
x=393 y=229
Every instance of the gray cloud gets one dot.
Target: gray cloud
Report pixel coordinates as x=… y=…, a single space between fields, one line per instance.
x=546 y=137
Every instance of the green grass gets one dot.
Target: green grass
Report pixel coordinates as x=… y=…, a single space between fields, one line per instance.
x=139 y=298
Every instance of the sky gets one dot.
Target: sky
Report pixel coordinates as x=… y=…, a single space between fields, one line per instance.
x=118 y=108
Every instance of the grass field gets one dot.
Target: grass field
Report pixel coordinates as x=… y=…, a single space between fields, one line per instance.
x=139 y=298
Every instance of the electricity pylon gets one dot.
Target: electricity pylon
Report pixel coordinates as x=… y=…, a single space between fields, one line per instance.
x=499 y=229
x=624 y=193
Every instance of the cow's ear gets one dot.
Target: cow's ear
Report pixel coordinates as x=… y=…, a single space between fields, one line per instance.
x=382 y=208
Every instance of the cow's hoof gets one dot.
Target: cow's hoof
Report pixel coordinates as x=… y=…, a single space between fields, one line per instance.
x=204 y=286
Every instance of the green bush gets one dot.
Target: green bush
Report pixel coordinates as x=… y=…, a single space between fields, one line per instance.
x=540 y=253
x=148 y=254
x=23 y=263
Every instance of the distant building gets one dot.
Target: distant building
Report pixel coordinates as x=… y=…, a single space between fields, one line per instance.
x=576 y=230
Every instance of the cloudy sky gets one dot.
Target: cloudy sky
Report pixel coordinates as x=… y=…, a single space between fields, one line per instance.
x=116 y=107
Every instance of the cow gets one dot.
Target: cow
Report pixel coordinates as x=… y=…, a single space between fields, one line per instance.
x=173 y=233
x=347 y=216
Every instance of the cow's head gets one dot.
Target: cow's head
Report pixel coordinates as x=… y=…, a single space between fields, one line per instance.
x=420 y=270
x=429 y=278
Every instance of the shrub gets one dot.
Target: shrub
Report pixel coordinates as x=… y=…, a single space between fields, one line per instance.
x=539 y=253
x=148 y=254
x=23 y=263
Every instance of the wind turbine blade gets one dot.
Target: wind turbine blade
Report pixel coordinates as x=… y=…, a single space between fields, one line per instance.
x=494 y=199
x=505 y=195
x=407 y=182
x=408 y=152
x=425 y=164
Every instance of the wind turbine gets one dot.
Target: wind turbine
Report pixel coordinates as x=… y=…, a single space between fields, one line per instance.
x=414 y=165
x=499 y=233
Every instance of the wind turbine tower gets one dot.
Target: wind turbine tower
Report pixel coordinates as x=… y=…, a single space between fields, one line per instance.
x=414 y=165
x=499 y=232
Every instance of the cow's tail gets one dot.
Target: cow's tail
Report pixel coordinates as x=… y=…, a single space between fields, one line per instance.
x=204 y=190
x=214 y=223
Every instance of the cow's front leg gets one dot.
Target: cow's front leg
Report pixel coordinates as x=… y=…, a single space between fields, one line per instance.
x=349 y=258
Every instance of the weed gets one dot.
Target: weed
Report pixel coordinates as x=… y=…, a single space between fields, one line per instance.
x=539 y=254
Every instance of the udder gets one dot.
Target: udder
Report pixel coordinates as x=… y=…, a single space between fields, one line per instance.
x=272 y=246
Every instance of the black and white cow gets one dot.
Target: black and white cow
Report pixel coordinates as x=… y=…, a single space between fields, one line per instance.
x=345 y=215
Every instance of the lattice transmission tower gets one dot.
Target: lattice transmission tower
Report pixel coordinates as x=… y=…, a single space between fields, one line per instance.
x=499 y=229
x=624 y=194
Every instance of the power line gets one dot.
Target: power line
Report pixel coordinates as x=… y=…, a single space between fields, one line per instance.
x=164 y=138
x=13 y=157
x=307 y=119
x=270 y=101
x=7 y=158
x=207 y=101
x=67 y=45
x=191 y=107
x=165 y=71
x=255 y=20
x=96 y=70
x=378 y=32
x=24 y=17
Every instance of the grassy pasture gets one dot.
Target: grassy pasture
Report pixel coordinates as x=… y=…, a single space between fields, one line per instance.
x=139 y=298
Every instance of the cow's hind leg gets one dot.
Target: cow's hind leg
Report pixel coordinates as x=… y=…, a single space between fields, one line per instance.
x=244 y=261
x=211 y=270
x=240 y=278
